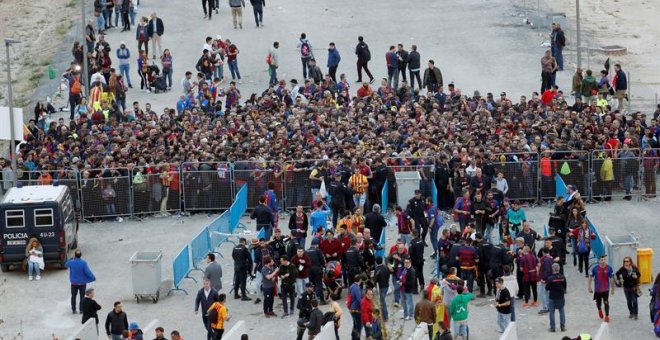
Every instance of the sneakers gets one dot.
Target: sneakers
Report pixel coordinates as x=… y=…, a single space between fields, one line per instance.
x=535 y=304
x=257 y=301
x=38 y=278
x=396 y=305
x=543 y=311
x=273 y=314
x=600 y=313
x=551 y=330
x=30 y=278
x=284 y=315
x=525 y=305
x=119 y=220
x=245 y=298
x=607 y=318
x=563 y=329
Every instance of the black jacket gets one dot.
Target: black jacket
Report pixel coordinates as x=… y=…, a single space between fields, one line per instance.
x=205 y=303
x=411 y=281
x=89 y=309
x=416 y=251
x=353 y=260
x=375 y=223
x=263 y=214
x=315 y=322
x=116 y=323
x=427 y=77
x=242 y=258
x=362 y=52
x=381 y=276
x=413 y=60
x=160 y=29
x=258 y=3
x=404 y=58
x=340 y=193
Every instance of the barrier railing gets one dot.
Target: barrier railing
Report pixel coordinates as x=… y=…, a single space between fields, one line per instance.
x=238 y=208
x=106 y=193
x=434 y=194
x=616 y=173
x=156 y=190
x=200 y=246
x=520 y=170
x=571 y=166
x=181 y=269
x=425 y=166
x=207 y=186
x=650 y=162
x=385 y=198
x=220 y=229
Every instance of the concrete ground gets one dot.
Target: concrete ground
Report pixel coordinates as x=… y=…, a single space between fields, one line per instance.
x=107 y=246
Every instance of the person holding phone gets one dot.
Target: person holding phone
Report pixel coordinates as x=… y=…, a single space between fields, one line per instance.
x=35 y=260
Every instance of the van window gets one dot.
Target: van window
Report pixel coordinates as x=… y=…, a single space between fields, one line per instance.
x=43 y=217
x=15 y=218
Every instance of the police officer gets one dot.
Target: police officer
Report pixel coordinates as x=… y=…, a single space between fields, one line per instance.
x=277 y=244
x=558 y=244
x=242 y=266
x=416 y=252
x=416 y=209
x=317 y=261
x=353 y=261
x=305 y=307
x=264 y=216
x=484 y=278
x=338 y=192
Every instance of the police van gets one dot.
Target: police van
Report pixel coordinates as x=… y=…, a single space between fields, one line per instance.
x=45 y=212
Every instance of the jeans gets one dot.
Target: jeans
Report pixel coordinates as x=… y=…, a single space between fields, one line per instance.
x=488 y=234
x=207 y=326
x=167 y=73
x=34 y=267
x=117 y=15
x=258 y=15
x=544 y=295
x=305 y=66
x=132 y=13
x=513 y=309
x=332 y=71
x=272 y=70
x=116 y=337
x=269 y=298
x=233 y=68
x=383 y=303
x=468 y=276
x=100 y=23
x=108 y=18
x=301 y=242
x=110 y=209
x=300 y=285
x=393 y=77
x=258 y=278
x=125 y=71
x=219 y=72
x=461 y=328
x=434 y=239
x=413 y=75
x=557 y=53
x=396 y=289
x=75 y=290
x=357 y=325
x=408 y=306
x=406 y=238
x=503 y=321
x=628 y=184
x=562 y=315
x=288 y=296
x=631 y=300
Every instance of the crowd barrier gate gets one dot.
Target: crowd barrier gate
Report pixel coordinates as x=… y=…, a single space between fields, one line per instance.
x=181 y=269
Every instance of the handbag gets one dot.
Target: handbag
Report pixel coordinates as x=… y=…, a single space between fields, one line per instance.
x=638 y=291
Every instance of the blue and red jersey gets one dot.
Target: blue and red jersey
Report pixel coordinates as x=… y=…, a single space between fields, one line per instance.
x=529 y=265
x=602 y=276
x=467 y=256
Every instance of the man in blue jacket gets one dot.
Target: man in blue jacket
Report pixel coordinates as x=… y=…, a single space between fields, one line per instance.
x=333 y=61
x=79 y=275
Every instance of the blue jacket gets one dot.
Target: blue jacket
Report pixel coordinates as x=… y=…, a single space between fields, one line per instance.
x=333 y=57
x=317 y=219
x=79 y=272
x=356 y=296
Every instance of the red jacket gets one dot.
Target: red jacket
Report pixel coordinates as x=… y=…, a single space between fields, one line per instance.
x=304 y=273
x=331 y=246
x=364 y=92
x=367 y=308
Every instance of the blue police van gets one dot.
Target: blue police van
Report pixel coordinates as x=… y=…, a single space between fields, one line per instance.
x=44 y=212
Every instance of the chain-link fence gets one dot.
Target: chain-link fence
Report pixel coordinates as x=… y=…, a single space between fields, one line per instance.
x=617 y=173
x=571 y=166
x=156 y=189
x=206 y=186
x=106 y=193
x=520 y=171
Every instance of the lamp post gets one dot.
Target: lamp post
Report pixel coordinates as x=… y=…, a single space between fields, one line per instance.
x=577 y=25
x=12 y=147
x=85 y=64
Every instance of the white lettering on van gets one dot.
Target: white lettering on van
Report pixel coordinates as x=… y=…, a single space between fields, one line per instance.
x=15 y=236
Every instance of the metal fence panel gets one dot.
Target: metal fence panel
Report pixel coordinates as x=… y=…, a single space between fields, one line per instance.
x=521 y=173
x=617 y=173
x=571 y=166
x=96 y=188
x=297 y=188
x=650 y=162
x=200 y=246
x=156 y=189
x=206 y=186
x=257 y=177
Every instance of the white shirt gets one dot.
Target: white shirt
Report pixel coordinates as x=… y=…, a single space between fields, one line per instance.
x=207 y=47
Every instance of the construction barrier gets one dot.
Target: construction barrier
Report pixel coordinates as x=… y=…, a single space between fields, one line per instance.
x=510 y=333
x=181 y=268
x=236 y=331
x=238 y=208
x=87 y=331
x=220 y=229
x=200 y=246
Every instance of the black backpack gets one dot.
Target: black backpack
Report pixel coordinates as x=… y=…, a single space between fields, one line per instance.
x=213 y=316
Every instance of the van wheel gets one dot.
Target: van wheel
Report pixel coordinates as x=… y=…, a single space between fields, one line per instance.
x=4 y=268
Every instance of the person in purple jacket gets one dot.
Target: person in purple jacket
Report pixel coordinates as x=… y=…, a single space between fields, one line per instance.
x=79 y=276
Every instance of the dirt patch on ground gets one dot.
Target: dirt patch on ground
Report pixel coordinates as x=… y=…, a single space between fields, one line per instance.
x=41 y=27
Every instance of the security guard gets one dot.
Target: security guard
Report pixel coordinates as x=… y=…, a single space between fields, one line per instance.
x=416 y=209
x=317 y=260
x=353 y=261
x=485 y=278
x=304 y=305
x=338 y=192
x=416 y=252
x=242 y=266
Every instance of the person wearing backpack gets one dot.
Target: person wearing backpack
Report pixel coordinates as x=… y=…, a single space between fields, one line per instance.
x=273 y=63
x=218 y=315
x=583 y=236
x=364 y=56
x=305 y=48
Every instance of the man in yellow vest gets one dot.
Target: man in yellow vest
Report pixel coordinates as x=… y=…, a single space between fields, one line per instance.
x=217 y=317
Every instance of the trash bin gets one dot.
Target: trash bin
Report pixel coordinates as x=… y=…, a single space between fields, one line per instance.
x=146 y=274
x=406 y=184
x=645 y=264
x=619 y=247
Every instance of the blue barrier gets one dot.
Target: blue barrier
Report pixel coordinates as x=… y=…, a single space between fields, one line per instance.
x=220 y=229
x=200 y=247
x=434 y=194
x=384 y=198
x=238 y=208
x=560 y=187
x=381 y=243
x=181 y=268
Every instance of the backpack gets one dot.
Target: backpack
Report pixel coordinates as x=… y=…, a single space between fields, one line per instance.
x=213 y=315
x=269 y=59
x=305 y=51
x=367 y=53
x=582 y=245
x=76 y=87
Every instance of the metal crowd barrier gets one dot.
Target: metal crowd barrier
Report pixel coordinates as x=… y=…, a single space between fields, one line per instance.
x=181 y=269
x=207 y=186
x=617 y=173
x=521 y=171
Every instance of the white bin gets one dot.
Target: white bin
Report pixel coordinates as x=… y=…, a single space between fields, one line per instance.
x=406 y=184
x=146 y=274
x=619 y=247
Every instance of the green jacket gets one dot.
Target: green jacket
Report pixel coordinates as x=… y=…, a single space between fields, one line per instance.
x=588 y=84
x=459 y=306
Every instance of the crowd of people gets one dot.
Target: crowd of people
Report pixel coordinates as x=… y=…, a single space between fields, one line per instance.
x=345 y=140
